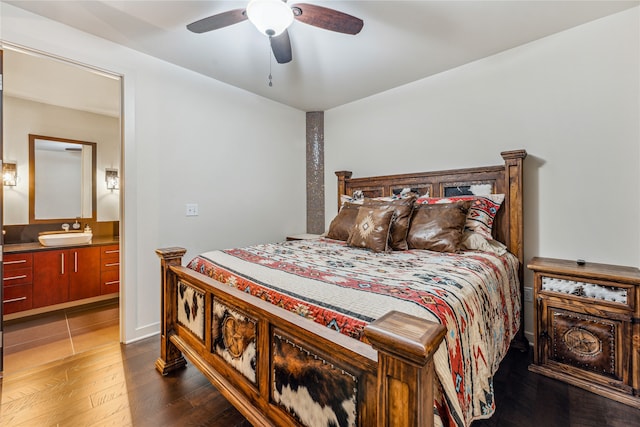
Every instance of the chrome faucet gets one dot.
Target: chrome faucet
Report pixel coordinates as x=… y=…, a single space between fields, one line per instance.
x=65 y=227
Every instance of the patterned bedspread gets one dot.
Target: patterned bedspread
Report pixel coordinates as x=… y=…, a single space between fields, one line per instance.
x=474 y=294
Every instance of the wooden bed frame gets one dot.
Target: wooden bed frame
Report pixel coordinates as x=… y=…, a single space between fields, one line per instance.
x=394 y=374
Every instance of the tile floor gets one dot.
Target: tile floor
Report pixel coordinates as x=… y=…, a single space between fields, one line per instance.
x=40 y=339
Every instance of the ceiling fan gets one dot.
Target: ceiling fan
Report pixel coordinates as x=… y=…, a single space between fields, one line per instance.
x=273 y=17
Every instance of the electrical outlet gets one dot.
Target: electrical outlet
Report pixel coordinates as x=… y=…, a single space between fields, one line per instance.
x=192 y=209
x=528 y=294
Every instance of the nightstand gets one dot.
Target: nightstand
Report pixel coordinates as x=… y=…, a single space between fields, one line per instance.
x=304 y=236
x=587 y=326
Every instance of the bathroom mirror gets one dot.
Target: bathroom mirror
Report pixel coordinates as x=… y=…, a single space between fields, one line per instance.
x=62 y=179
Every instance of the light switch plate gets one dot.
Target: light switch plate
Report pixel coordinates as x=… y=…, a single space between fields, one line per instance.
x=192 y=209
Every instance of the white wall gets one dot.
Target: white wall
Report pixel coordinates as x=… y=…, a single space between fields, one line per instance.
x=23 y=117
x=571 y=100
x=187 y=139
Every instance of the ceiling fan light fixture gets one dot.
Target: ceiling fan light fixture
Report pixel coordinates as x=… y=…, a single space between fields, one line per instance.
x=270 y=17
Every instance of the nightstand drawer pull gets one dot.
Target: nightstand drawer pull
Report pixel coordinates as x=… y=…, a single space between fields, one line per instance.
x=112 y=264
x=584 y=289
x=113 y=282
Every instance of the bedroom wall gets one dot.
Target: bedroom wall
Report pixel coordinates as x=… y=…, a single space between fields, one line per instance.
x=571 y=100
x=187 y=139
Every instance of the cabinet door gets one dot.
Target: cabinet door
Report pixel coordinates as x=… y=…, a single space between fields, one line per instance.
x=586 y=346
x=84 y=273
x=50 y=278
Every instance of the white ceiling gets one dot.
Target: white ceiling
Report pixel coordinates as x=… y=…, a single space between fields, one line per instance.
x=401 y=42
x=42 y=79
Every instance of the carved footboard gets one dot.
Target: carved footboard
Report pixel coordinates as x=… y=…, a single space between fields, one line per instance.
x=279 y=369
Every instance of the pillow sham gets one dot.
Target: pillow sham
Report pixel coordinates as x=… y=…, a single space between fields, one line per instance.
x=371 y=228
x=438 y=227
x=481 y=214
x=476 y=242
x=342 y=224
x=402 y=209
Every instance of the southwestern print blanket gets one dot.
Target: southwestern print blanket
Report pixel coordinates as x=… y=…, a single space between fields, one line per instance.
x=474 y=294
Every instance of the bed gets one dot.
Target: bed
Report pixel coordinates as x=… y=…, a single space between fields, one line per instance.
x=381 y=352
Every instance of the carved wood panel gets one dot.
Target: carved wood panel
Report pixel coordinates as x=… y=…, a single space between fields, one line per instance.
x=583 y=341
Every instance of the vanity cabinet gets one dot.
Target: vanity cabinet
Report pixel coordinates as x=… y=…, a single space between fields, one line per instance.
x=587 y=326
x=109 y=269
x=65 y=275
x=17 y=282
x=42 y=279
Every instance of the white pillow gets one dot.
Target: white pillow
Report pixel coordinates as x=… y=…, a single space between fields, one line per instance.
x=477 y=242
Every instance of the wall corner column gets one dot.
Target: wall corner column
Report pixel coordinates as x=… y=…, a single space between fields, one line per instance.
x=315 y=172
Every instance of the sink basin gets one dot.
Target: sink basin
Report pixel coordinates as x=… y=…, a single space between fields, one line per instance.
x=65 y=239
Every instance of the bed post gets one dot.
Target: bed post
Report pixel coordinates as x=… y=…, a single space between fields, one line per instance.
x=342 y=177
x=170 y=357
x=405 y=346
x=513 y=162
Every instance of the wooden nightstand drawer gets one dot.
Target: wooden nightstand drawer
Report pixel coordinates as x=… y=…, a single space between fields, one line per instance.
x=589 y=291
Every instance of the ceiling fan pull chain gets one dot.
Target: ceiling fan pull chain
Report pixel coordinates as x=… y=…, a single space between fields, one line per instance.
x=270 y=77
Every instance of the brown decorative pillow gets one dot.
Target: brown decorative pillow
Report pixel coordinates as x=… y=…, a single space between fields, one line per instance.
x=371 y=229
x=438 y=227
x=343 y=222
x=400 y=221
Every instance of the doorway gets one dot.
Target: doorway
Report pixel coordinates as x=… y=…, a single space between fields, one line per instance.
x=53 y=97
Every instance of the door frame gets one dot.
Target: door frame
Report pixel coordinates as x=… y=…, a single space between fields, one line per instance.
x=121 y=80
x=1 y=227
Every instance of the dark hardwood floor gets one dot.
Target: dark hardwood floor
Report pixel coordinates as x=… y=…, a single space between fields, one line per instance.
x=526 y=399
x=118 y=385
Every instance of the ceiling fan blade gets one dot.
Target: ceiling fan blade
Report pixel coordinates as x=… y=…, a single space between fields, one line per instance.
x=220 y=20
x=326 y=18
x=281 y=47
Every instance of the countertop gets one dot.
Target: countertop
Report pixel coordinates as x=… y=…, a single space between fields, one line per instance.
x=36 y=246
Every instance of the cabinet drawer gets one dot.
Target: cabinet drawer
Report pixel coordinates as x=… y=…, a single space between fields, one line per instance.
x=110 y=265
x=110 y=258
x=21 y=276
x=17 y=298
x=110 y=252
x=110 y=282
x=617 y=295
x=17 y=261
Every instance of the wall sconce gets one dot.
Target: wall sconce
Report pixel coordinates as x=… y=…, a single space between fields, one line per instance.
x=9 y=174
x=111 y=178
